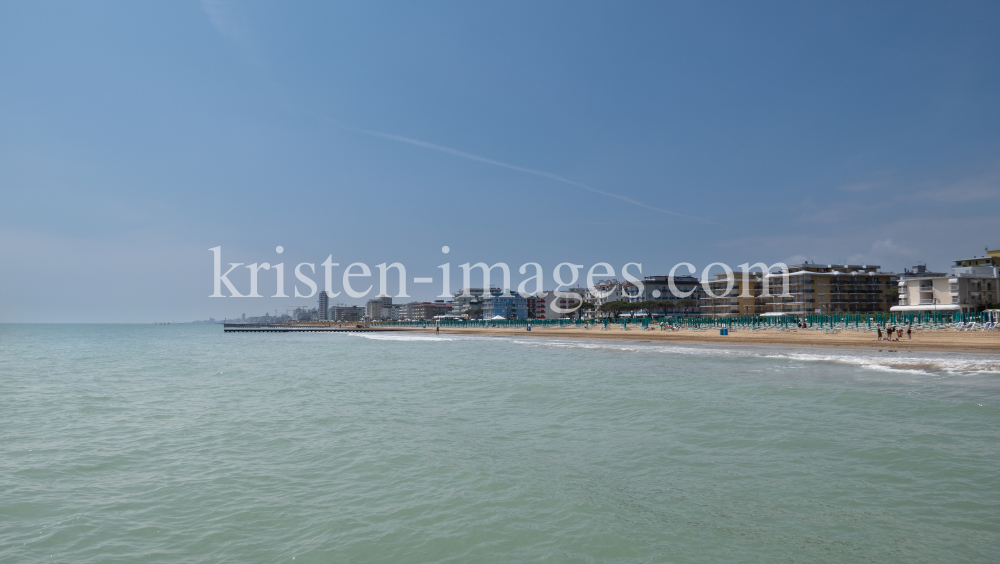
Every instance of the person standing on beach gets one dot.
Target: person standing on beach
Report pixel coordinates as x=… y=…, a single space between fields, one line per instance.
x=879 y=329
x=909 y=332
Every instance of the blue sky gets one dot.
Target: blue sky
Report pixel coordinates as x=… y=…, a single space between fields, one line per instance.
x=134 y=136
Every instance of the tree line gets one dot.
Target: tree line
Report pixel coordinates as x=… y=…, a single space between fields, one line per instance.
x=616 y=308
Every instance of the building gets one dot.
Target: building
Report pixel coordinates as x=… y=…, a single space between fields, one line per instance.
x=920 y=271
x=812 y=288
x=406 y=311
x=992 y=258
x=345 y=313
x=423 y=311
x=304 y=314
x=956 y=293
x=324 y=306
x=745 y=297
x=973 y=285
x=381 y=309
x=536 y=306
x=468 y=303
x=564 y=301
x=832 y=288
x=611 y=290
x=514 y=306
x=657 y=289
x=427 y=311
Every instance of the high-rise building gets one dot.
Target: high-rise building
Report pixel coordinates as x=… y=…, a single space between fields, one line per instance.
x=324 y=306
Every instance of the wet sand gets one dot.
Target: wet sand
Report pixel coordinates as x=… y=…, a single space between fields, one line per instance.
x=923 y=340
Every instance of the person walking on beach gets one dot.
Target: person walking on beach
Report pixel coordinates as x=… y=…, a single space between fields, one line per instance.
x=909 y=332
x=879 y=329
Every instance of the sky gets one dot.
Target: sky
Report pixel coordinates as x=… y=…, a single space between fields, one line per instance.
x=137 y=136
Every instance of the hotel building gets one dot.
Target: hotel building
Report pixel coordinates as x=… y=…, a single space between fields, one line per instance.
x=514 y=306
x=974 y=285
x=426 y=311
x=657 y=288
x=812 y=288
x=744 y=298
x=832 y=288
x=347 y=313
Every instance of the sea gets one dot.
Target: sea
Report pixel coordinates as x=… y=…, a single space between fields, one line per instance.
x=180 y=443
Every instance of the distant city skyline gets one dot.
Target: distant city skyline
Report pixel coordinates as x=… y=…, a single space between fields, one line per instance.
x=134 y=137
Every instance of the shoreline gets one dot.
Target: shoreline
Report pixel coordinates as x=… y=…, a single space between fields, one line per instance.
x=923 y=341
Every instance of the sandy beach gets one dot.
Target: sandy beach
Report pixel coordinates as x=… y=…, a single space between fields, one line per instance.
x=926 y=340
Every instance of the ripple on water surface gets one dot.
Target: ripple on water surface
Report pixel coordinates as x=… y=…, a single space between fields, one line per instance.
x=180 y=444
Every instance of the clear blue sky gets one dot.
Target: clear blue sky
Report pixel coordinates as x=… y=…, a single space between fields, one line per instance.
x=134 y=136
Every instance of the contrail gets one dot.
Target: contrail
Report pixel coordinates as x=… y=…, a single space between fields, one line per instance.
x=541 y=173
x=219 y=15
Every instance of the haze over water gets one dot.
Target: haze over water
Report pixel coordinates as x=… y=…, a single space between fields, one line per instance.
x=125 y=443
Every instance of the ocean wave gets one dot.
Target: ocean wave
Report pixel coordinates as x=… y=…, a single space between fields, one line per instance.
x=917 y=364
x=400 y=337
x=884 y=361
x=887 y=361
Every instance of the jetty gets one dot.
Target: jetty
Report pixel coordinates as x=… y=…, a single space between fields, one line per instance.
x=301 y=328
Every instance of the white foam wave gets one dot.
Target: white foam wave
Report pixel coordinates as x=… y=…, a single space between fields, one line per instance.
x=399 y=337
x=907 y=363
x=888 y=361
x=955 y=363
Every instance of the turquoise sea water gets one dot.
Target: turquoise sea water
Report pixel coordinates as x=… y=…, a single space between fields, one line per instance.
x=179 y=443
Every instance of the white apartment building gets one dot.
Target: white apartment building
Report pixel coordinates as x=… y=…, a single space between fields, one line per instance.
x=609 y=291
x=972 y=285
